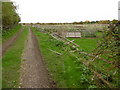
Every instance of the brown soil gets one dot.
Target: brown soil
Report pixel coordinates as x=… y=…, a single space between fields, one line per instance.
x=10 y=42
x=33 y=70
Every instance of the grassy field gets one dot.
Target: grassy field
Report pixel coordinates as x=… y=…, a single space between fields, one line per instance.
x=7 y=34
x=86 y=44
x=11 y=62
x=65 y=69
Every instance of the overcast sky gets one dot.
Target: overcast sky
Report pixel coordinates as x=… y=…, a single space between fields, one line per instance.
x=66 y=10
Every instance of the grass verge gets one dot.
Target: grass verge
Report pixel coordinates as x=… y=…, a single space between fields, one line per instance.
x=11 y=62
x=6 y=34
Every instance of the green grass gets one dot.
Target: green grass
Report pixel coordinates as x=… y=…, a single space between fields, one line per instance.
x=99 y=34
x=65 y=70
x=6 y=34
x=11 y=62
x=86 y=44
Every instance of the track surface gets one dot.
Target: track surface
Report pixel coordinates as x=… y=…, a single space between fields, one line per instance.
x=33 y=71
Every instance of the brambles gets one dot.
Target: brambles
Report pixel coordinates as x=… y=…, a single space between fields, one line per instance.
x=109 y=48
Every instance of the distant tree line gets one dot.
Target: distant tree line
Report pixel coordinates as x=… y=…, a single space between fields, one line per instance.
x=10 y=17
x=81 y=22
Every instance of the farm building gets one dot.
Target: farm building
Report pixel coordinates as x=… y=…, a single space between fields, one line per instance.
x=76 y=34
x=73 y=34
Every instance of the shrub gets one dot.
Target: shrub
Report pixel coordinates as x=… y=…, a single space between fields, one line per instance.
x=88 y=33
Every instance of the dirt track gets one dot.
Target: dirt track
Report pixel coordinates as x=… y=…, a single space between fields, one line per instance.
x=33 y=71
x=10 y=42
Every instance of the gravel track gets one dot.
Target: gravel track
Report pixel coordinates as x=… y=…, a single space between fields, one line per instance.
x=33 y=71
